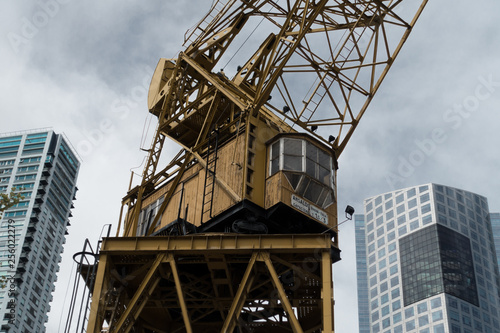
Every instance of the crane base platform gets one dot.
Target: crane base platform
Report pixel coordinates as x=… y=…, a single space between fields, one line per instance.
x=214 y=283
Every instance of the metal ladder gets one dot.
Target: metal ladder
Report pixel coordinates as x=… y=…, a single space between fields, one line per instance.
x=192 y=34
x=210 y=169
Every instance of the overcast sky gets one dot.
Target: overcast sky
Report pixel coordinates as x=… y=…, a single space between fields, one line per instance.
x=83 y=68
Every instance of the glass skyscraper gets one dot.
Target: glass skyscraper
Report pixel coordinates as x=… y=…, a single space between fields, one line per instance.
x=430 y=262
x=362 y=276
x=43 y=167
x=495 y=224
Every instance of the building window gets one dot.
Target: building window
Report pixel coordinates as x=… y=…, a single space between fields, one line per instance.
x=437 y=315
x=439 y=328
x=400 y=198
x=386 y=322
x=410 y=325
x=435 y=303
x=409 y=312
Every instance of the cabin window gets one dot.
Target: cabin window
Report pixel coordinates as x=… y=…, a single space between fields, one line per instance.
x=293 y=155
x=275 y=158
x=318 y=164
x=302 y=156
x=308 y=168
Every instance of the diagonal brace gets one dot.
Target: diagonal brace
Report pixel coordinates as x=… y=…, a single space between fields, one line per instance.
x=239 y=298
x=281 y=293
x=134 y=308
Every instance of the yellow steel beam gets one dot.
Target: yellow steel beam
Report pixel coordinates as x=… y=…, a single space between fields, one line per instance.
x=97 y=306
x=327 y=292
x=231 y=92
x=293 y=243
x=180 y=295
x=136 y=312
x=131 y=307
x=239 y=299
x=281 y=293
x=299 y=270
x=168 y=196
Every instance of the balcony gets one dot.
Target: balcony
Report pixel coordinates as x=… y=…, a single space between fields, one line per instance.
x=39 y=198
x=44 y=180
x=21 y=268
x=23 y=258
x=19 y=279
x=29 y=237
x=49 y=161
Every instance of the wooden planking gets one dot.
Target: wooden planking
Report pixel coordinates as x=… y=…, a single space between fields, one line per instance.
x=230 y=157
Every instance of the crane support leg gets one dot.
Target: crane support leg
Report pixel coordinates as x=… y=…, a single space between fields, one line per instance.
x=327 y=292
x=95 y=317
x=180 y=294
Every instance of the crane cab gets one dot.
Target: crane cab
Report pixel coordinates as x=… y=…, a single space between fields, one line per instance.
x=300 y=183
x=259 y=181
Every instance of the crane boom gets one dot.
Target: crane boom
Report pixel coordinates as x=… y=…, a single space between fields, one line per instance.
x=341 y=49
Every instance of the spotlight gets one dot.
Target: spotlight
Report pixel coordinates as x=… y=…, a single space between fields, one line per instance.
x=331 y=138
x=349 y=211
x=286 y=109
x=314 y=128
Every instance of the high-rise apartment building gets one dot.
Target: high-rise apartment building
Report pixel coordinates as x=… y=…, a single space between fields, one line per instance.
x=43 y=167
x=430 y=262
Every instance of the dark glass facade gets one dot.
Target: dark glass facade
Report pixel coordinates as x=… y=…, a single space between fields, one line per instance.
x=457 y=265
x=362 y=275
x=495 y=226
x=437 y=259
x=420 y=265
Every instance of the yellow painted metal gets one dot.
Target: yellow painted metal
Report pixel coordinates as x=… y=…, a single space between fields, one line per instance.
x=96 y=316
x=322 y=63
x=233 y=243
x=172 y=280
x=239 y=299
x=323 y=60
x=281 y=292
x=127 y=319
x=327 y=292
x=180 y=294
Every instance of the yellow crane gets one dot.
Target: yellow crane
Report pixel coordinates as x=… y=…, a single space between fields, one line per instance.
x=239 y=231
